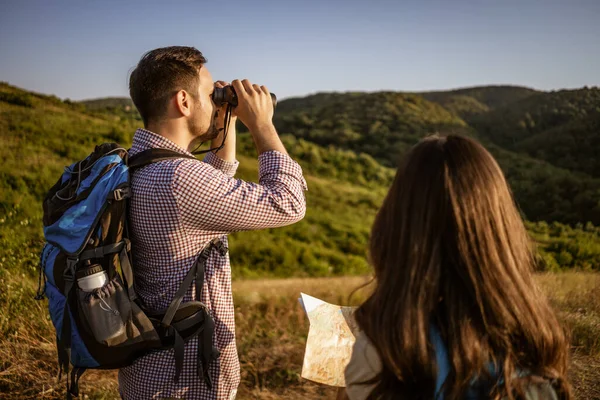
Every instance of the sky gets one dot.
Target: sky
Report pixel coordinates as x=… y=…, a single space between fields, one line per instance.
x=86 y=49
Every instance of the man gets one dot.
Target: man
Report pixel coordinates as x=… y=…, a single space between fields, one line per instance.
x=179 y=205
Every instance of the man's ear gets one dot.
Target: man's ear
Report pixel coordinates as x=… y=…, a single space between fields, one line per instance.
x=183 y=103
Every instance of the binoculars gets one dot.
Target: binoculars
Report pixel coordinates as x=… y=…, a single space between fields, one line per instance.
x=227 y=95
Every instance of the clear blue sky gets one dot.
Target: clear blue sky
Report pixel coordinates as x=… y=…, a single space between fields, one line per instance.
x=85 y=49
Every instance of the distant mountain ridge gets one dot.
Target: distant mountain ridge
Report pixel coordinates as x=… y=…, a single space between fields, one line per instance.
x=489 y=97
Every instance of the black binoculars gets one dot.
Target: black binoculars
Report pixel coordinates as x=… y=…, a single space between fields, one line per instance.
x=227 y=95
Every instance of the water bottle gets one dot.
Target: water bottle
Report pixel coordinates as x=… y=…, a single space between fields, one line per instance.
x=101 y=303
x=92 y=277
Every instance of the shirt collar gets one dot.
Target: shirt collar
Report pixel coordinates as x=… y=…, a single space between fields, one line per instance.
x=144 y=139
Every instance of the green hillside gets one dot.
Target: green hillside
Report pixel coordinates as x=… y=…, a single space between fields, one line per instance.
x=109 y=102
x=386 y=124
x=476 y=100
x=462 y=105
x=41 y=138
x=382 y=124
x=547 y=193
x=41 y=134
x=560 y=127
x=573 y=145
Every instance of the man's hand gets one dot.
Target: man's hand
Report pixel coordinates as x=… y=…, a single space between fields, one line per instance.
x=255 y=110
x=255 y=106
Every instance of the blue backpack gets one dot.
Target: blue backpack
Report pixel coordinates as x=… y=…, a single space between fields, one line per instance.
x=88 y=275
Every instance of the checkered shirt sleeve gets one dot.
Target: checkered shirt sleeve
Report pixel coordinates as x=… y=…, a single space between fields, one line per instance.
x=211 y=200
x=227 y=167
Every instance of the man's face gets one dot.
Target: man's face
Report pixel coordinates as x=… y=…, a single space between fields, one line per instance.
x=201 y=122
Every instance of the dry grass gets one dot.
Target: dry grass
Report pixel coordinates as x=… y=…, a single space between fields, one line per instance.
x=271 y=332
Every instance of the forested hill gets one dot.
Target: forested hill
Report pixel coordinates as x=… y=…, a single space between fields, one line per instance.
x=41 y=134
x=382 y=124
x=477 y=100
x=560 y=127
x=546 y=142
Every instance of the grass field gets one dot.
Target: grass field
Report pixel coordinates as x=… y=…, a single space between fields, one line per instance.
x=271 y=334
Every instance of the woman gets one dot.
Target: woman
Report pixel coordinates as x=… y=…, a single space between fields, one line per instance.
x=456 y=312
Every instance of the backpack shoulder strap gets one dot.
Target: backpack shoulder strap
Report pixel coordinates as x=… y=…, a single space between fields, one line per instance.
x=154 y=155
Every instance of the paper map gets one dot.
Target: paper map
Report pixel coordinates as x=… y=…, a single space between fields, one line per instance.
x=330 y=340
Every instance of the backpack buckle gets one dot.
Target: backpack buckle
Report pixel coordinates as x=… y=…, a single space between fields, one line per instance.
x=221 y=248
x=120 y=194
x=69 y=273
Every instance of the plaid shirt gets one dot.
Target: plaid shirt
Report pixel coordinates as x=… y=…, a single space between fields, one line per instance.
x=177 y=207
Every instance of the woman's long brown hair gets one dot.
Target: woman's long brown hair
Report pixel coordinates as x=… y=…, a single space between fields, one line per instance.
x=449 y=248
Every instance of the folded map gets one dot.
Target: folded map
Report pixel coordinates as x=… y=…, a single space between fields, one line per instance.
x=330 y=339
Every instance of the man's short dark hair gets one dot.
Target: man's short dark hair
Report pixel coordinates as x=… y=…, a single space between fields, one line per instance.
x=160 y=74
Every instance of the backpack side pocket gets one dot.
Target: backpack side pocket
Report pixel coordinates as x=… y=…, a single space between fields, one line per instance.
x=106 y=311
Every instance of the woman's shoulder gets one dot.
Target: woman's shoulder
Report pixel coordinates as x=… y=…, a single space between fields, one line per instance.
x=540 y=391
x=365 y=364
